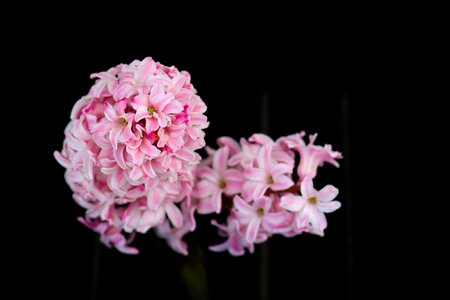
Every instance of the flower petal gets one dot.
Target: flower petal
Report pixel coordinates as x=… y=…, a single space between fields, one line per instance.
x=136 y=174
x=281 y=169
x=317 y=220
x=160 y=101
x=234 y=175
x=220 y=160
x=117 y=179
x=229 y=142
x=118 y=156
x=275 y=220
x=261 y=139
x=255 y=174
x=327 y=194
x=329 y=207
x=242 y=206
x=205 y=206
x=110 y=112
x=219 y=247
x=236 y=247
x=149 y=149
x=217 y=200
x=264 y=158
x=233 y=187
x=141 y=113
x=307 y=187
x=174 y=107
x=148 y=169
x=252 y=230
x=174 y=214
x=292 y=202
x=260 y=190
x=145 y=70
x=203 y=189
x=61 y=159
x=281 y=183
x=208 y=174
x=155 y=198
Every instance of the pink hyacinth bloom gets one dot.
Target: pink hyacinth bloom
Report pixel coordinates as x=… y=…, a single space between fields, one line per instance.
x=246 y=156
x=111 y=236
x=158 y=198
x=235 y=243
x=267 y=174
x=215 y=181
x=311 y=205
x=133 y=138
x=174 y=236
x=155 y=108
x=106 y=83
x=117 y=122
x=258 y=216
x=311 y=156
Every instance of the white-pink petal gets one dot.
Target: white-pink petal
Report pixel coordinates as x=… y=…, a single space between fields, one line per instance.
x=220 y=160
x=307 y=188
x=174 y=214
x=327 y=193
x=329 y=207
x=243 y=207
x=252 y=230
x=292 y=202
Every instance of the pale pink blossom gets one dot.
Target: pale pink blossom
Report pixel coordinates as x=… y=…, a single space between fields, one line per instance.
x=129 y=149
x=311 y=156
x=111 y=236
x=235 y=242
x=117 y=123
x=311 y=205
x=215 y=181
x=267 y=174
x=246 y=156
x=104 y=87
x=173 y=235
x=155 y=108
x=258 y=216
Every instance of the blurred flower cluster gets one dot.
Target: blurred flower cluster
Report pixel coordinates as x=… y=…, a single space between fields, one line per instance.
x=129 y=154
x=254 y=179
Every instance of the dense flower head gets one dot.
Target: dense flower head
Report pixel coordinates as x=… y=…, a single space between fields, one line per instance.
x=254 y=181
x=129 y=152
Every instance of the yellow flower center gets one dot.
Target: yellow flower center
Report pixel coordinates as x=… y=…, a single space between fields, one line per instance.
x=151 y=111
x=260 y=211
x=123 y=122
x=270 y=180
x=312 y=200
x=222 y=184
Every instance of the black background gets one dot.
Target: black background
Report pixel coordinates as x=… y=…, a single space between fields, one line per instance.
x=347 y=84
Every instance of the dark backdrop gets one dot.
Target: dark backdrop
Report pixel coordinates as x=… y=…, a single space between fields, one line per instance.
x=336 y=83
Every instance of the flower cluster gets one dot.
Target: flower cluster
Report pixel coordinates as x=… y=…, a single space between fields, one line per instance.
x=129 y=154
x=129 y=151
x=255 y=181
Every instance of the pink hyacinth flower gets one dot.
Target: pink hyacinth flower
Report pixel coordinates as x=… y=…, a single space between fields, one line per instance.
x=111 y=236
x=258 y=216
x=216 y=181
x=311 y=205
x=235 y=243
x=311 y=156
x=118 y=123
x=268 y=174
x=155 y=108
